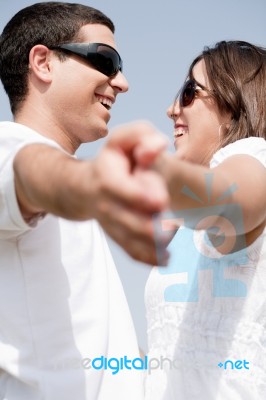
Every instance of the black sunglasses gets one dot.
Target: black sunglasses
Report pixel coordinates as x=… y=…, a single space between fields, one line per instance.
x=100 y=55
x=188 y=92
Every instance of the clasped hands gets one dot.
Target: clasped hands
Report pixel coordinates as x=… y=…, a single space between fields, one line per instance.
x=131 y=193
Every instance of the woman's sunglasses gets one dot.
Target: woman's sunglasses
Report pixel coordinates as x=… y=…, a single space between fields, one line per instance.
x=188 y=92
x=101 y=56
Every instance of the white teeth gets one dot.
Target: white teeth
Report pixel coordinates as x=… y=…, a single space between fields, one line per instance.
x=180 y=132
x=104 y=101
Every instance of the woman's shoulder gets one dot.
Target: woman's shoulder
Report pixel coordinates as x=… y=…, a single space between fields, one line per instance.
x=253 y=146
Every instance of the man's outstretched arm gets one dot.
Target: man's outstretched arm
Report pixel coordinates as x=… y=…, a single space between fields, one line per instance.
x=112 y=188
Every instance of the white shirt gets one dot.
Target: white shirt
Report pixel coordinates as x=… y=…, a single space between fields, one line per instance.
x=61 y=302
x=206 y=313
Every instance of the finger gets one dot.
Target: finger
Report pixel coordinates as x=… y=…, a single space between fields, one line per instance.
x=135 y=233
x=141 y=190
x=154 y=187
x=140 y=138
x=139 y=249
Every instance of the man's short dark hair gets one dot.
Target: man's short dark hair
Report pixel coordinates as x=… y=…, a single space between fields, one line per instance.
x=47 y=23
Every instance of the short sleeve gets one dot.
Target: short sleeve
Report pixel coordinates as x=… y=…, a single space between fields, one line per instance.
x=252 y=146
x=13 y=137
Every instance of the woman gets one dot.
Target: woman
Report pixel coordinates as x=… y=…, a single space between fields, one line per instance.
x=207 y=310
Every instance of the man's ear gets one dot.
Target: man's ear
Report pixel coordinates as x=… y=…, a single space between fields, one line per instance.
x=40 y=62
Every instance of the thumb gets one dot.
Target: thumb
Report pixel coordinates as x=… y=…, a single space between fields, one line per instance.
x=140 y=140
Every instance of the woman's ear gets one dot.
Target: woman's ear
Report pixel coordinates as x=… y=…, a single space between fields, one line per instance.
x=222 y=129
x=40 y=62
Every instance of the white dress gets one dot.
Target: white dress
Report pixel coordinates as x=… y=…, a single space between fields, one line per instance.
x=206 y=314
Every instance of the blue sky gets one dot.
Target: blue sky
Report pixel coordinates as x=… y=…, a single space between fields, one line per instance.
x=157 y=41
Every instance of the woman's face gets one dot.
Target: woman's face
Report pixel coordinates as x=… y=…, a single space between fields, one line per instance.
x=198 y=126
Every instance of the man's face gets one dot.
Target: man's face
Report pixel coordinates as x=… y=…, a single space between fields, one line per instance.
x=81 y=97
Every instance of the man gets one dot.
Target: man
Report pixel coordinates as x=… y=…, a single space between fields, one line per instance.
x=63 y=310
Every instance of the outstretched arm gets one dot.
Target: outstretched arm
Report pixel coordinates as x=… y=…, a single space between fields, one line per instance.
x=240 y=179
x=111 y=188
